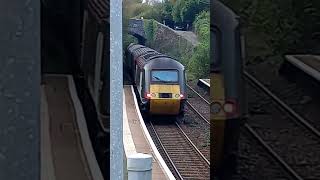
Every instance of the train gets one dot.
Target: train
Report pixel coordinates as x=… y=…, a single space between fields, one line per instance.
x=159 y=80
x=228 y=102
x=75 y=39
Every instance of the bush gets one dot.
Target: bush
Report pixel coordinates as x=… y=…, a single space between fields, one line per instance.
x=150 y=28
x=199 y=63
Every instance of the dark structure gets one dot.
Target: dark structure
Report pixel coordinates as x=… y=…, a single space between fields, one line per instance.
x=75 y=40
x=20 y=90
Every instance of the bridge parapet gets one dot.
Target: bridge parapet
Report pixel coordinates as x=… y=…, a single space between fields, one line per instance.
x=136 y=28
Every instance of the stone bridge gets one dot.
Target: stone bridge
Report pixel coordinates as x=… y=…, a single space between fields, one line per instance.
x=167 y=39
x=136 y=29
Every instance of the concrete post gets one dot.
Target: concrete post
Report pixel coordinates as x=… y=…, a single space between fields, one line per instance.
x=139 y=167
x=20 y=90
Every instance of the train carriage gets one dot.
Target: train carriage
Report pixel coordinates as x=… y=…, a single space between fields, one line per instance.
x=227 y=93
x=159 y=81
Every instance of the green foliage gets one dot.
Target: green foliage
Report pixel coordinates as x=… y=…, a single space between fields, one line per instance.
x=151 y=12
x=286 y=26
x=187 y=10
x=199 y=63
x=150 y=28
x=202 y=26
x=166 y=9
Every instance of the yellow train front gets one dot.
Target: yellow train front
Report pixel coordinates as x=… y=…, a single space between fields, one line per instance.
x=159 y=81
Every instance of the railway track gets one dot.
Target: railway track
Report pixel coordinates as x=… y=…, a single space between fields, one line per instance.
x=198 y=104
x=254 y=162
x=184 y=158
x=284 y=134
x=196 y=122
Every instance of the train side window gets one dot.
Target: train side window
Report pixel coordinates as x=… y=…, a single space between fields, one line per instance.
x=140 y=81
x=143 y=86
x=99 y=52
x=136 y=75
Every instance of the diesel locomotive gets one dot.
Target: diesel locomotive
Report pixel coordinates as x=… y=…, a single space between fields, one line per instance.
x=159 y=80
x=228 y=107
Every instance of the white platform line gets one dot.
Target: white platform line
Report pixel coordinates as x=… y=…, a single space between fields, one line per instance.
x=128 y=142
x=306 y=68
x=82 y=125
x=47 y=167
x=163 y=165
x=204 y=82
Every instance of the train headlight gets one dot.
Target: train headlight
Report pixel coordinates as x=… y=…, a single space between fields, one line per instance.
x=181 y=96
x=215 y=108
x=229 y=107
x=148 y=95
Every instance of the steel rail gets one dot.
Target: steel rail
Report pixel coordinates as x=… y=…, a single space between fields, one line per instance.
x=273 y=153
x=165 y=151
x=282 y=104
x=193 y=145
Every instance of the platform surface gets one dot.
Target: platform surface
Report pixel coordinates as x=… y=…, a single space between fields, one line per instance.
x=206 y=82
x=310 y=64
x=140 y=141
x=63 y=156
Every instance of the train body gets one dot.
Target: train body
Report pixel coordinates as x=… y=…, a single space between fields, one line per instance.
x=159 y=80
x=228 y=105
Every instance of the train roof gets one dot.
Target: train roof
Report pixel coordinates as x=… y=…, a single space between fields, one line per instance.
x=138 y=50
x=146 y=55
x=163 y=62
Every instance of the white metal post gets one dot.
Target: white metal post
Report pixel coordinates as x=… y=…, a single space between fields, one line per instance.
x=139 y=167
x=116 y=89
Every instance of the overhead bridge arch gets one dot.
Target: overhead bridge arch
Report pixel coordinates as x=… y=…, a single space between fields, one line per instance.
x=136 y=29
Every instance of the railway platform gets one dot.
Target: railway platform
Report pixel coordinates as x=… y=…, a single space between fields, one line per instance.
x=66 y=151
x=205 y=82
x=137 y=138
x=310 y=64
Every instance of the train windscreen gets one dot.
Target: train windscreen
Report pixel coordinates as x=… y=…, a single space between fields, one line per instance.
x=164 y=76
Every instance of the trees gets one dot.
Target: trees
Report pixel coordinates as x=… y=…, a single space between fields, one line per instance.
x=187 y=10
x=199 y=63
x=286 y=26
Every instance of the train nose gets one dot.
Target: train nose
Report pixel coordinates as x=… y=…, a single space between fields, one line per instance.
x=165 y=106
x=167 y=99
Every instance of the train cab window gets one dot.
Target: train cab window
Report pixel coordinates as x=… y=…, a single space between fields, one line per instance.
x=164 y=76
x=216 y=48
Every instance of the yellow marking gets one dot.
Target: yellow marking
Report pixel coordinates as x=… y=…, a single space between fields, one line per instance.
x=168 y=106
x=217 y=93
